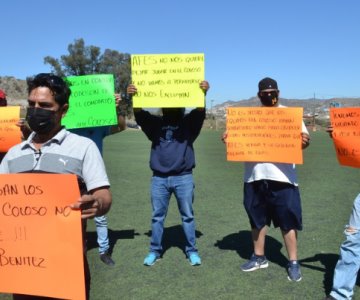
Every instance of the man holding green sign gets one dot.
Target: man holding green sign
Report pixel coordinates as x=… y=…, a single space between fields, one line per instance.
x=93 y=109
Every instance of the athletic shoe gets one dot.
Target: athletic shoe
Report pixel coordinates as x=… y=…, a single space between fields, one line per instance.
x=293 y=270
x=194 y=259
x=106 y=259
x=255 y=263
x=151 y=259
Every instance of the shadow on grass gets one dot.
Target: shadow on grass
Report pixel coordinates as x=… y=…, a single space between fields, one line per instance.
x=114 y=236
x=241 y=242
x=174 y=237
x=328 y=260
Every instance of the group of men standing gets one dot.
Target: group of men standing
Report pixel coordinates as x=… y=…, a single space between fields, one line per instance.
x=271 y=193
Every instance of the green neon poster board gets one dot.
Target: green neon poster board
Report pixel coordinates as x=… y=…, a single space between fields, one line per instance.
x=92 y=101
x=168 y=80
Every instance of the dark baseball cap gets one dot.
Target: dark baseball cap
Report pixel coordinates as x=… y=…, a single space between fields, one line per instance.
x=267 y=83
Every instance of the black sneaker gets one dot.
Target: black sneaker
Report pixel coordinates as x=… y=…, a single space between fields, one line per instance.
x=293 y=270
x=106 y=259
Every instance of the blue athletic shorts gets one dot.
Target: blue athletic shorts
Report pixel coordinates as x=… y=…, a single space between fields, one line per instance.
x=268 y=200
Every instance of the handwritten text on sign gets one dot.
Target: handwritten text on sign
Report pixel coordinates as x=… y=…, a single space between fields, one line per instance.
x=10 y=134
x=264 y=134
x=168 y=80
x=40 y=236
x=346 y=135
x=92 y=102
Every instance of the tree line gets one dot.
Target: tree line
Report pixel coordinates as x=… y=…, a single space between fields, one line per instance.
x=86 y=60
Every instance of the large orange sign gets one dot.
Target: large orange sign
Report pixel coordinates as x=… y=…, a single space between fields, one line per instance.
x=10 y=134
x=41 y=250
x=346 y=135
x=264 y=134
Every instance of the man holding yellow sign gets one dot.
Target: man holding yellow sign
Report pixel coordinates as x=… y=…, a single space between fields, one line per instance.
x=172 y=161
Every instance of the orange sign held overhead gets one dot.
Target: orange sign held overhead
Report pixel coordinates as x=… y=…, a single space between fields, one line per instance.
x=346 y=135
x=10 y=134
x=264 y=134
x=41 y=250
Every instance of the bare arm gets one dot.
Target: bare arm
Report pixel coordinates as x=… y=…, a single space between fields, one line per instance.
x=132 y=90
x=305 y=140
x=97 y=203
x=204 y=85
x=330 y=130
x=121 y=124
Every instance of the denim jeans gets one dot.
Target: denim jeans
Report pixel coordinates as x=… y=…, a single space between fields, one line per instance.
x=102 y=233
x=161 y=190
x=348 y=264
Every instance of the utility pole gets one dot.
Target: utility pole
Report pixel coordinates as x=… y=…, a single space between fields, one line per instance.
x=313 y=118
x=211 y=110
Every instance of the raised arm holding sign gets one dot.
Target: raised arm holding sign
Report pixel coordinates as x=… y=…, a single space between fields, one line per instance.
x=172 y=161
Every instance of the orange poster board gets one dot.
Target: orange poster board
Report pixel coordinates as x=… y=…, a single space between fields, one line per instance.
x=10 y=134
x=346 y=135
x=264 y=134
x=41 y=250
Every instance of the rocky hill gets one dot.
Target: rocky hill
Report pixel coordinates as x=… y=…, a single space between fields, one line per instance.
x=15 y=90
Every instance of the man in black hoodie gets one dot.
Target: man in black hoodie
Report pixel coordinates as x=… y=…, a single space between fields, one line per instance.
x=172 y=160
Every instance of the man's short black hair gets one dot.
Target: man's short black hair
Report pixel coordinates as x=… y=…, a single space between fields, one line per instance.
x=58 y=86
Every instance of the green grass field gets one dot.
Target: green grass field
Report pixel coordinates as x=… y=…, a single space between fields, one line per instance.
x=224 y=242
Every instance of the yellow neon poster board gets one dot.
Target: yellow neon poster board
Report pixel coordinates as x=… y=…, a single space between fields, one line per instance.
x=168 y=80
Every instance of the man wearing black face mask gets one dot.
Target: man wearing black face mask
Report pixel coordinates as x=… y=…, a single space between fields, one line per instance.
x=172 y=160
x=52 y=149
x=271 y=194
x=268 y=92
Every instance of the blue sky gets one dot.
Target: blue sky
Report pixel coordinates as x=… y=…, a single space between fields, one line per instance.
x=309 y=46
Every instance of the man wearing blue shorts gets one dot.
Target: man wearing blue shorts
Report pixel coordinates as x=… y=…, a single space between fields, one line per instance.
x=271 y=194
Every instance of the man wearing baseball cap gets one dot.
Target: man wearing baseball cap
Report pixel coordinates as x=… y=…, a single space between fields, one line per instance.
x=271 y=194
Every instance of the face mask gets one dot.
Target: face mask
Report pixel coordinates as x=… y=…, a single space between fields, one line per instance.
x=40 y=120
x=269 y=99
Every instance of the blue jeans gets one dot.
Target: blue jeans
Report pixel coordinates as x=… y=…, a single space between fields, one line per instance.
x=102 y=233
x=348 y=264
x=161 y=190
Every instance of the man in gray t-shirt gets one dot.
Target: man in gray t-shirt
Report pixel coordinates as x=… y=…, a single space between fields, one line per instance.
x=52 y=149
